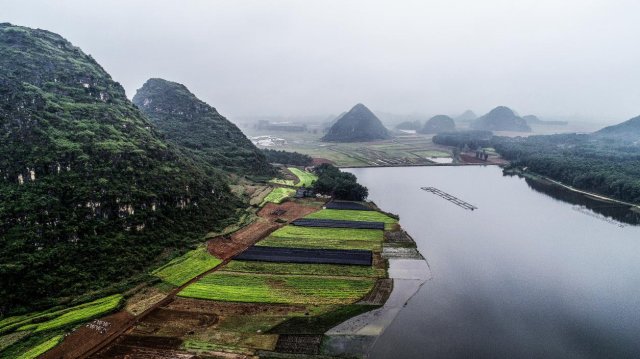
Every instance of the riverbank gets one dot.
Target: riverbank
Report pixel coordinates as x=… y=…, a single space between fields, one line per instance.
x=534 y=176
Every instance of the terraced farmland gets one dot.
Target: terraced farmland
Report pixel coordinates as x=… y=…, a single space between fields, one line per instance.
x=303 y=269
x=180 y=270
x=329 y=238
x=277 y=195
x=354 y=215
x=273 y=288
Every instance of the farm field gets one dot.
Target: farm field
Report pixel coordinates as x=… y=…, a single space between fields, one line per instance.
x=274 y=288
x=354 y=215
x=180 y=270
x=330 y=238
x=41 y=348
x=303 y=269
x=277 y=195
x=283 y=182
x=53 y=319
x=404 y=149
x=305 y=179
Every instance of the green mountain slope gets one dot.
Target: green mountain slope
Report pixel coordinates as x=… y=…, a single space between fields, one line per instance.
x=90 y=194
x=193 y=124
x=357 y=125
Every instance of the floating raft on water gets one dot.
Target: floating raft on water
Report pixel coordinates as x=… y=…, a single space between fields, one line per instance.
x=450 y=198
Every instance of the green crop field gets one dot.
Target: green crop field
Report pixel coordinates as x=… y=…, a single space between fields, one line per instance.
x=182 y=269
x=329 y=238
x=305 y=179
x=277 y=195
x=283 y=182
x=41 y=348
x=286 y=289
x=354 y=215
x=76 y=314
x=303 y=269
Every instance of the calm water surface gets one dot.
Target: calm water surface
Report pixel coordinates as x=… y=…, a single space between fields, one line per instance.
x=530 y=274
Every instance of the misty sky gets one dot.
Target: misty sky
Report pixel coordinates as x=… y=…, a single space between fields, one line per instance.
x=252 y=58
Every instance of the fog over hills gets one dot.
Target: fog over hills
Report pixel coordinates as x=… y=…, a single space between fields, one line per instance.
x=302 y=58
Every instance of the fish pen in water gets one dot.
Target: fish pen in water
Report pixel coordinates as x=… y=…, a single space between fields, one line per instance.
x=450 y=198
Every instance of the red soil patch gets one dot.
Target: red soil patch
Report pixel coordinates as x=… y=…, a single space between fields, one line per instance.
x=287 y=211
x=83 y=339
x=319 y=160
x=225 y=247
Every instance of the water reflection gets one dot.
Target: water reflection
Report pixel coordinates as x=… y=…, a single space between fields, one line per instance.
x=618 y=212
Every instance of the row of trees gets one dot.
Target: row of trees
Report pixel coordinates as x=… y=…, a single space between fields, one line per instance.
x=287 y=158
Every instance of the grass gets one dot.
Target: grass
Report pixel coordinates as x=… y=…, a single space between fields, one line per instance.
x=182 y=269
x=55 y=318
x=329 y=238
x=305 y=179
x=354 y=215
x=303 y=269
x=277 y=195
x=41 y=348
x=281 y=289
x=283 y=182
x=78 y=314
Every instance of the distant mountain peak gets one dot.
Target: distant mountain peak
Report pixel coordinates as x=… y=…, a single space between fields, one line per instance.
x=501 y=118
x=357 y=125
x=627 y=131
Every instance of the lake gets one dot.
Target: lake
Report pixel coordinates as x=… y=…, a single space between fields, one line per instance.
x=534 y=272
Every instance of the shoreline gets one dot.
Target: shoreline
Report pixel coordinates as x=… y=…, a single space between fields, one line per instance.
x=592 y=195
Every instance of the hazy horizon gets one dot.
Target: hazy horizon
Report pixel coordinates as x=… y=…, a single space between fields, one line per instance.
x=575 y=59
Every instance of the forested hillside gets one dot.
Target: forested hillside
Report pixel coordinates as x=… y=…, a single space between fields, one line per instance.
x=582 y=161
x=194 y=125
x=90 y=194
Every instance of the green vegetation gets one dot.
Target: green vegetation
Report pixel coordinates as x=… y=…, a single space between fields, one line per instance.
x=331 y=238
x=182 y=269
x=75 y=315
x=199 y=129
x=303 y=269
x=340 y=185
x=91 y=194
x=354 y=215
x=256 y=288
x=287 y=158
x=587 y=162
x=55 y=318
x=277 y=195
x=305 y=179
x=41 y=348
x=283 y=182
